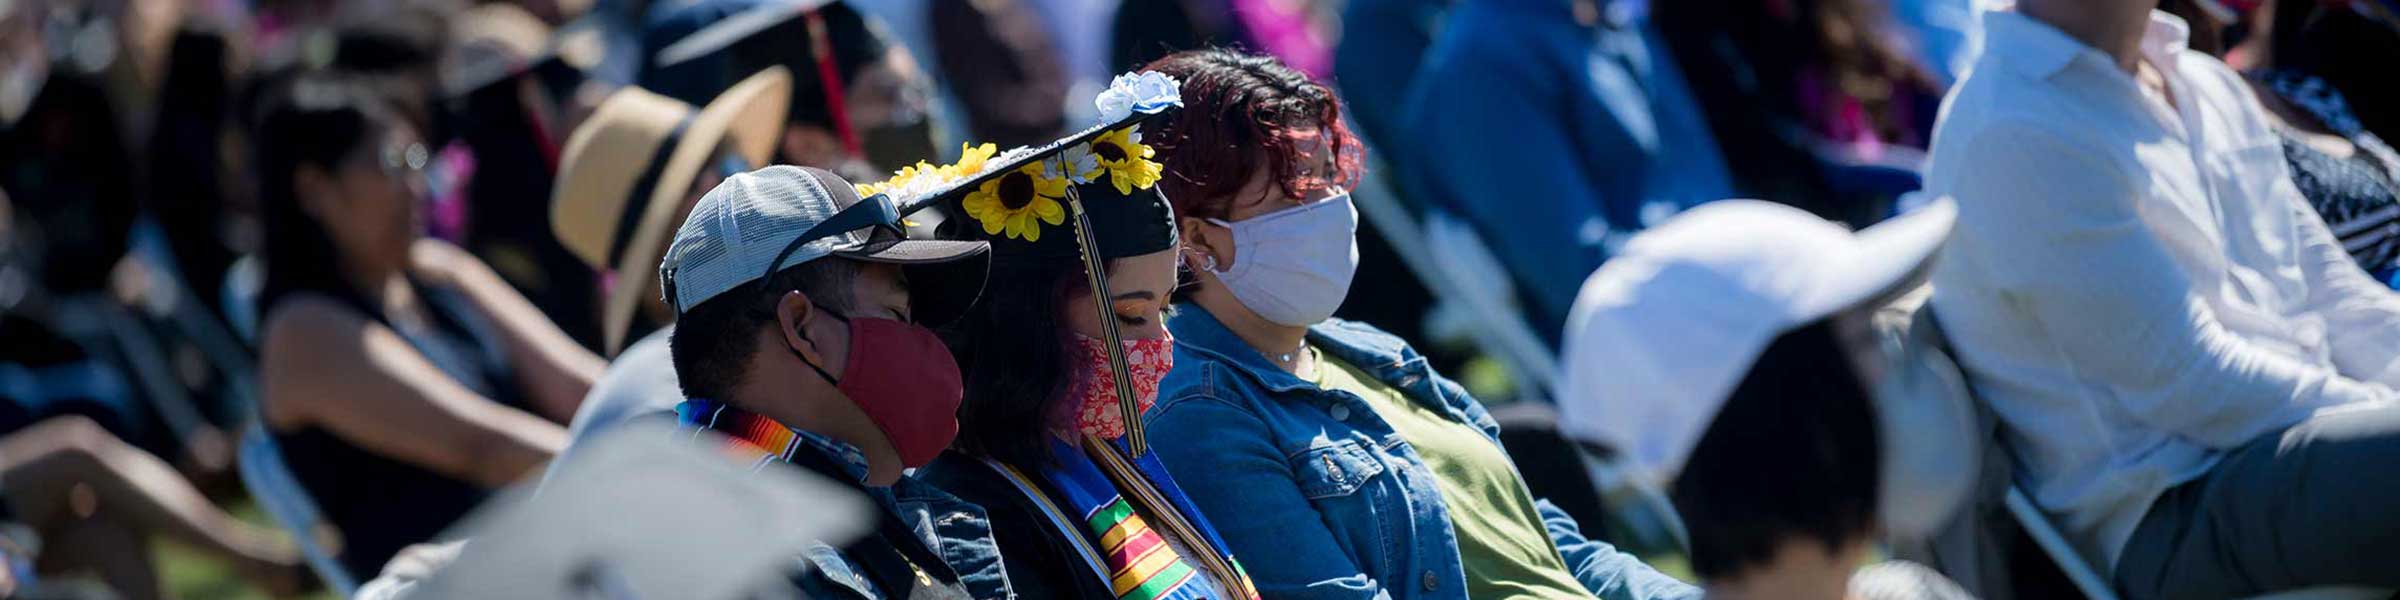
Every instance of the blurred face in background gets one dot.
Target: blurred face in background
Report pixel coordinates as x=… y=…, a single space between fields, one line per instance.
x=368 y=204
x=888 y=104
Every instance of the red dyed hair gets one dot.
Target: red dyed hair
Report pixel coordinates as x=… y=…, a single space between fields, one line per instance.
x=1241 y=113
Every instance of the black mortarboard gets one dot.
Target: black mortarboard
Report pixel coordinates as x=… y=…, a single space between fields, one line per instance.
x=1018 y=200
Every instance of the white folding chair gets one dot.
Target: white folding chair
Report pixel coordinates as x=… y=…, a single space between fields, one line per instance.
x=1467 y=282
x=239 y=296
x=279 y=493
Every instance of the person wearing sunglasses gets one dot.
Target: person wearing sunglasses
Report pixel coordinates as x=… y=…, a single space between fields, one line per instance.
x=801 y=338
x=402 y=378
x=628 y=177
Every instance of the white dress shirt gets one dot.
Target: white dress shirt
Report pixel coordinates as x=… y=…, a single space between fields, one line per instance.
x=2135 y=287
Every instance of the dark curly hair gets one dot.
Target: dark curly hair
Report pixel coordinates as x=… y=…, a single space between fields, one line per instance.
x=1243 y=112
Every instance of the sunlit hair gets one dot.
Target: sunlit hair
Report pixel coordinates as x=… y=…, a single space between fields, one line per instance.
x=1243 y=112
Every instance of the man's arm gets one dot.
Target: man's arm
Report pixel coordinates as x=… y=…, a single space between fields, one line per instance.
x=2070 y=247
x=2362 y=315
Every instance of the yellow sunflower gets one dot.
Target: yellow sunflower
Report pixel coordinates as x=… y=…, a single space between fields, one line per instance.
x=971 y=159
x=1126 y=161
x=1012 y=203
x=900 y=180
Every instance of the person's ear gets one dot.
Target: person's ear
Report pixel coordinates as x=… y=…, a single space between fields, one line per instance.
x=1207 y=247
x=794 y=316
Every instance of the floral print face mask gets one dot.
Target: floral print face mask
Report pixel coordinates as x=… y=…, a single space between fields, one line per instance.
x=1094 y=395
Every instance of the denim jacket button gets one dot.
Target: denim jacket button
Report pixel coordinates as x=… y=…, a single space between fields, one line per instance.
x=1339 y=412
x=1431 y=581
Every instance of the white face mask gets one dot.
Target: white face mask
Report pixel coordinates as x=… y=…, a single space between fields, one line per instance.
x=1293 y=266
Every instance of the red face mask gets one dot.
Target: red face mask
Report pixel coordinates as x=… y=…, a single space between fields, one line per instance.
x=1095 y=392
x=904 y=379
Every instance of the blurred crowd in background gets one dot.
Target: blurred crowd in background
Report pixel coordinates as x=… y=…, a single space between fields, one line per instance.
x=148 y=153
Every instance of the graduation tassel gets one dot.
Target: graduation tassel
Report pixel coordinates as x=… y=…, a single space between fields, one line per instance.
x=1095 y=271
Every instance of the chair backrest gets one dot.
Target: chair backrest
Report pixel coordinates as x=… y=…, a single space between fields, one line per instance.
x=1470 y=274
x=279 y=493
x=1971 y=548
x=1457 y=267
x=239 y=296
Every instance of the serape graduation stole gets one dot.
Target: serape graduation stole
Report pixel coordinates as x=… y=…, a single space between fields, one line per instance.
x=748 y=437
x=1141 y=565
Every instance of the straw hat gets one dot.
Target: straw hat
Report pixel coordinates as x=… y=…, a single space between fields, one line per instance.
x=620 y=183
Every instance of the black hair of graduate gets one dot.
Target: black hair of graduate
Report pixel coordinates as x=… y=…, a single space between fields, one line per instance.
x=1012 y=350
x=1794 y=453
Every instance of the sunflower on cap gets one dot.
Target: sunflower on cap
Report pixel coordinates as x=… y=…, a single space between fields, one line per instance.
x=1011 y=203
x=1121 y=156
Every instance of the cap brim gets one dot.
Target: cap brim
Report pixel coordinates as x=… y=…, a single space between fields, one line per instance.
x=726 y=32
x=945 y=278
x=1889 y=259
x=917 y=252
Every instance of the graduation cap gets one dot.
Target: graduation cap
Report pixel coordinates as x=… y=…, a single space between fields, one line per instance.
x=496 y=42
x=645 y=512
x=1091 y=196
x=698 y=47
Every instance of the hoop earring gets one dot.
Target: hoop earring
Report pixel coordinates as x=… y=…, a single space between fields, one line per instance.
x=1208 y=262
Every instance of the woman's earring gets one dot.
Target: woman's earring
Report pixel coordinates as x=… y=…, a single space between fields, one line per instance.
x=1206 y=258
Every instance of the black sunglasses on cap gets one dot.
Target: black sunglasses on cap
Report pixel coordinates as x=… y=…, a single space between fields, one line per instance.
x=875 y=212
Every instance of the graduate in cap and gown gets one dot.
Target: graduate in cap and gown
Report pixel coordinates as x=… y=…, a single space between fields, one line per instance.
x=1062 y=353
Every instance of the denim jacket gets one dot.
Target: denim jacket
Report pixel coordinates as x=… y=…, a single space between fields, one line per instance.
x=1316 y=493
x=955 y=531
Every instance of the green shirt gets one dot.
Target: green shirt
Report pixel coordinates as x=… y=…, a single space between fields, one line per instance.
x=1501 y=542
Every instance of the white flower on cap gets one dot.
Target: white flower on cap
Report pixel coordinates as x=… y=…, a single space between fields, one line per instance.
x=1081 y=164
x=1146 y=92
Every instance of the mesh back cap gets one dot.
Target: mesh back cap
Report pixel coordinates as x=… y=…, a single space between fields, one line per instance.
x=738 y=226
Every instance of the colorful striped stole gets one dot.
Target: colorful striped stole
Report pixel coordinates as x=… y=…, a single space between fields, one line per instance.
x=749 y=438
x=1141 y=564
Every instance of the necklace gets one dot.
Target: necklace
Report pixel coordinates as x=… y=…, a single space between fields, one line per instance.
x=1287 y=357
